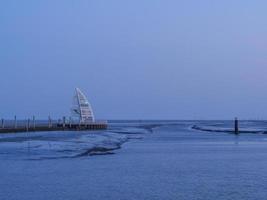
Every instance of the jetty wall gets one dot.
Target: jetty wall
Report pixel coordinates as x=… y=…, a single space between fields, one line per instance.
x=14 y=126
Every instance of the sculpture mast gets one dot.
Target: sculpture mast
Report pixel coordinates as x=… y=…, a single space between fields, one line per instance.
x=82 y=108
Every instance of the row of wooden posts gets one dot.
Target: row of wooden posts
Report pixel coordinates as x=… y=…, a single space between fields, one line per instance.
x=33 y=121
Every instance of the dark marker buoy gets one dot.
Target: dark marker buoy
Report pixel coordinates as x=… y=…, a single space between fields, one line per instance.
x=236 y=126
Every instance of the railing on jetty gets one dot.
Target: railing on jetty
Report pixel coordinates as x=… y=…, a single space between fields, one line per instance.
x=31 y=125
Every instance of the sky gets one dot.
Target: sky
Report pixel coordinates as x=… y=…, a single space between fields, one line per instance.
x=141 y=59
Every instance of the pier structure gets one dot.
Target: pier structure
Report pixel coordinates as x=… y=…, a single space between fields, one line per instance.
x=49 y=125
x=82 y=119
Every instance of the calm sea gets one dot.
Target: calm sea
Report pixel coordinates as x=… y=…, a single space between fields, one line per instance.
x=135 y=160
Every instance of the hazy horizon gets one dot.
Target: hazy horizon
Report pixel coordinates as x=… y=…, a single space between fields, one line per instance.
x=134 y=59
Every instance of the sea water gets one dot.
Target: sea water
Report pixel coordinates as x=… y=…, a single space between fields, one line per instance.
x=137 y=160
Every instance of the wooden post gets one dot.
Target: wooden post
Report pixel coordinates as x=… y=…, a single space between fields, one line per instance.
x=49 y=122
x=33 y=120
x=28 y=125
x=70 y=121
x=15 y=122
x=3 y=123
x=236 y=126
x=64 y=122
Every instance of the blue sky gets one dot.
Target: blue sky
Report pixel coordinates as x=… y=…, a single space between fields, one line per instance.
x=142 y=59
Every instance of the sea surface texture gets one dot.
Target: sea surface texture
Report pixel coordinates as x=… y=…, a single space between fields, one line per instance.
x=138 y=160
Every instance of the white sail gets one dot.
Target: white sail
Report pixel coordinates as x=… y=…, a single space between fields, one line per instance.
x=82 y=108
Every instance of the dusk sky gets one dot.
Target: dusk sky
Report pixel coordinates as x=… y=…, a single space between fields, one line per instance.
x=138 y=59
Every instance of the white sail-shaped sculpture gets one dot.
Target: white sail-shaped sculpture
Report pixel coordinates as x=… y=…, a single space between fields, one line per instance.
x=82 y=108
